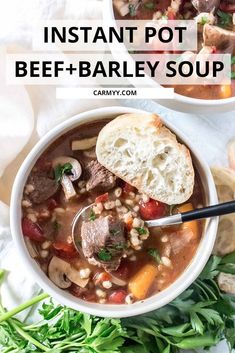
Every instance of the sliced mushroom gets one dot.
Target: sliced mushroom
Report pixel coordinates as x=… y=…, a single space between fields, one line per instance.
x=62 y=274
x=31 y=248
x=68 y=187
x=85 y=144
x=76 y=166
x=75 y=277
x=222 y=39
x=66 y=180
x=118 y=281
x=57 y=272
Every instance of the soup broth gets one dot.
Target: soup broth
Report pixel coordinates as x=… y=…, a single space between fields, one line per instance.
x=120 y=259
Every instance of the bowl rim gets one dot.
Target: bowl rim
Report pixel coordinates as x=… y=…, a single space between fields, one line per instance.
x=109 y=18
x=107 y=310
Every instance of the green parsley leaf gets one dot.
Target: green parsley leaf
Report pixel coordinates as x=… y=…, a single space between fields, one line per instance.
x=104 y=255
x=60 y=170
x=232 y=75
x=133 y=9
x=48 y=310
x=141 y=231
x=115 y=231
x=196 y=323
x=228 y=259
x=211 y=269
x=92 y=216
x=155 y=254
x=200 y=317
x=227 y=268
x=225 y=19
x=203 y=20
x=233 y=60
x=149 y=5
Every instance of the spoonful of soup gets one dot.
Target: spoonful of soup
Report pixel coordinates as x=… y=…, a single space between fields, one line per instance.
x=95 y=233
x=100 y=239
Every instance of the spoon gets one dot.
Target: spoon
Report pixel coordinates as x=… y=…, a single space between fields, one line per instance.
x=82 y=215
x=200 y=213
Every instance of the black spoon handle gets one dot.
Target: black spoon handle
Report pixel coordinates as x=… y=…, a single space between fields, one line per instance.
x=206 y=212
x=211 y=211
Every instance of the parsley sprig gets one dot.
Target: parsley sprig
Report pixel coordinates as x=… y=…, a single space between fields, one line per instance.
x=105 y=255
x=92 y=216
x=141 y=230
x=60 y=170
x=200 y=317
x=133 y=9
x=225 y=19
x=154 y=253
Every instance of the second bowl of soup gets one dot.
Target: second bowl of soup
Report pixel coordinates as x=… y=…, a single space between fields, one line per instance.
x=216 y=34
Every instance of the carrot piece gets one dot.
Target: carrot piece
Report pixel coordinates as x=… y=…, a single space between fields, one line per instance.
x=141 y=282
x=225 y=91
x=185 y=208
x=192 y=225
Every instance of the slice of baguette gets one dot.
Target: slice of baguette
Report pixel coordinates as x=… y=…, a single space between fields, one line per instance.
x=144 y=153
x=231 y=153
x=225 y=185
x=226 y=282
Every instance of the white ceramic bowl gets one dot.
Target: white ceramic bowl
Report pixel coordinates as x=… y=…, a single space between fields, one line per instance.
x=105 y=310
x=179 y=103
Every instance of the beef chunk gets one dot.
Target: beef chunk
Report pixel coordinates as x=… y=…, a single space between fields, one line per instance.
x=222 y=39
x=205 y=5
x=103 y=242
x=99 y=177
x=44 y=188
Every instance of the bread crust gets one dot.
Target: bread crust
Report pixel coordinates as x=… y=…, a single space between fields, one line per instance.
x=225 y=185
x=147 y=146
x=226 y=282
